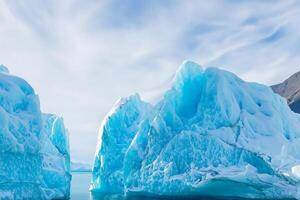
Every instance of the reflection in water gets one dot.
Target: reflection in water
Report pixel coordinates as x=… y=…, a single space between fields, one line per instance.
x=118 y=197
x=182 y=198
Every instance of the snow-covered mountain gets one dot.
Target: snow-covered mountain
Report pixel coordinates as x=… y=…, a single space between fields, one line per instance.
x=211 y=134
x=80 y=167
x=290 y=89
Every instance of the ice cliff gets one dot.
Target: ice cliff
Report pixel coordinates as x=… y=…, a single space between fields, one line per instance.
x=34 y=148
x=211 y=134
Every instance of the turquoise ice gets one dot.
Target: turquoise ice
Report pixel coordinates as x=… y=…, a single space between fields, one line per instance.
x=34 y=147
x=209 y=134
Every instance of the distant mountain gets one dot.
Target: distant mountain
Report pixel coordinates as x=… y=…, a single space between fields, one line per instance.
x=290 y=89
x=80 y=167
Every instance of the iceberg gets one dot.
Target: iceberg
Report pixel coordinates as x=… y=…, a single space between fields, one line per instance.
x=34 y=147
x=56 y=158
x=211 y=134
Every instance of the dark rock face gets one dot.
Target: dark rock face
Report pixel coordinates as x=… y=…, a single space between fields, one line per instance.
x=290 y=89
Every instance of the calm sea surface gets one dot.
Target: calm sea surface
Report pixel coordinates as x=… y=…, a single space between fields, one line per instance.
x=80 y=185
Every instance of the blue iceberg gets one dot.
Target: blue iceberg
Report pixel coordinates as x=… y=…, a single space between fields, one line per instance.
x=34 y=147
x=211 y=134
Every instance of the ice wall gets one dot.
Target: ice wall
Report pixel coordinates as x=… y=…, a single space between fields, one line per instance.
x=34 y=149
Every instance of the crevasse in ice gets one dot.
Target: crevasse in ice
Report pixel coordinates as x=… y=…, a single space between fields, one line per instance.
x=34 y=149
x=211 y=134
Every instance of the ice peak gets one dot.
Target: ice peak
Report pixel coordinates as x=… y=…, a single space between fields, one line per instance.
x=188 y=70
x=3 y=69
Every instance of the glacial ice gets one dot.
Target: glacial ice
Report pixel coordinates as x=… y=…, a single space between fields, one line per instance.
x=211 y=134
x=34 y=149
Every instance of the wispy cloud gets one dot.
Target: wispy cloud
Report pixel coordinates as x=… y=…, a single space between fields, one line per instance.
x=81 y=56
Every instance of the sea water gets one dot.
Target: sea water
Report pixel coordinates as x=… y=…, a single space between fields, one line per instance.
x=80 y=185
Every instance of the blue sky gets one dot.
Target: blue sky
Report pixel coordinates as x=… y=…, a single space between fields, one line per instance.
x=81 y=56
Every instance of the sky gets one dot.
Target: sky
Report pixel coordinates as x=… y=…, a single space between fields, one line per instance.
x=82 y=56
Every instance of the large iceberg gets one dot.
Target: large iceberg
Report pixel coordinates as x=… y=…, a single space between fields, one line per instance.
x=34 y=147
x=211 y=135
